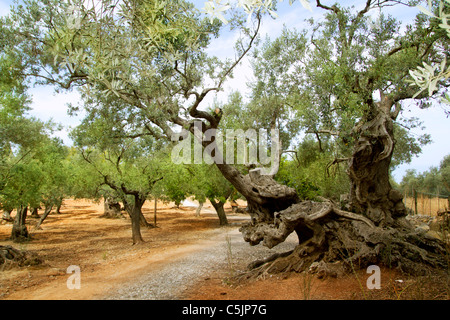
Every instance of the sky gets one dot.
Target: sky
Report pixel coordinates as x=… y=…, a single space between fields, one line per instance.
x=47 y=105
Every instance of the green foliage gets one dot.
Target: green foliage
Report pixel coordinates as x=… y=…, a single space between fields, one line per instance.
x=208 y=183
x=325 y=80
x=433 y=181
x=39 y=175
x=310 y=172
x=118 y=170
x=273 y=95
x=176 y=185
x=428 y=76
x=444 y=170
x=201 y=181
x=33 y=166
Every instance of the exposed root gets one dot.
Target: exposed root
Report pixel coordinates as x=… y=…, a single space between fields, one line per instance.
x=257 y=263
x=11 y=257
x=334 y=241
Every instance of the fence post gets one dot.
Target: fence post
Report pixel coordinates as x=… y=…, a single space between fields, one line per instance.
x=438 y=194
x=429 y=199
x=415 y=201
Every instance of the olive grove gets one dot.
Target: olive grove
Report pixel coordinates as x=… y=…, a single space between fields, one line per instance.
x=143 y=65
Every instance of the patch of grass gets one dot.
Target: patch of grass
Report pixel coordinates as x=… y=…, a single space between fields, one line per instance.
x=230 y=261
x=306 y=285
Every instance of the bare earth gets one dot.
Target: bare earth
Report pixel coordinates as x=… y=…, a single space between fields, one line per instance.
x=185 y=257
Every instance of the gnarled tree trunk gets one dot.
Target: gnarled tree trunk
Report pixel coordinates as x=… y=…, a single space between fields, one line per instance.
x=331 y=240
x=47 y=210
x=34 y=212
x=19 y=231
x=371 y=193
x=11 y=257
x=218 y=206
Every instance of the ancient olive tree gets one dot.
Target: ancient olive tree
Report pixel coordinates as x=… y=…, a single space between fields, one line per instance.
x=340 y=68
x=150 y=56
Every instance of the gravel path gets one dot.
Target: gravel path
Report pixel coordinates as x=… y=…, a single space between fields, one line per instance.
x=203 y=258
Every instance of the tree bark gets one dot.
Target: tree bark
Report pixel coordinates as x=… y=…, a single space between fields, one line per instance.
x=218 y=206
x=34 y=212
x=371 y=193
x=19 y=231
x=58 y=204
x=199 y=209
x=143 y=221
x=333 y=242
x=264 y=195
x=111 y=208
x=155 y=210
x=48 y=209
x=137 y=218
x=11 y=257
x=136 y=226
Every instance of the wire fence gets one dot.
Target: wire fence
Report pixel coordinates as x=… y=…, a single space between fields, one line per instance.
x=426 y=203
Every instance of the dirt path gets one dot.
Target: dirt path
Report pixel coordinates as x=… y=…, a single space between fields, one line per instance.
x=102 y=249
x=222 y=253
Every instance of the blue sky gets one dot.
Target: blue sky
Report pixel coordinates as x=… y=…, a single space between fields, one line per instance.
x=47 y=105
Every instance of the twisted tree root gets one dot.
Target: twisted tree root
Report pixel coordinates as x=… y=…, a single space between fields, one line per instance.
x=331 y=241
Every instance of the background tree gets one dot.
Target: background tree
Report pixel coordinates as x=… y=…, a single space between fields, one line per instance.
x=201 y=181
x=29 y=159
x=128 y=168
x=435 y=180
x=208 y=183
x=57 y=172
x=39 y=177
x=444 y=170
